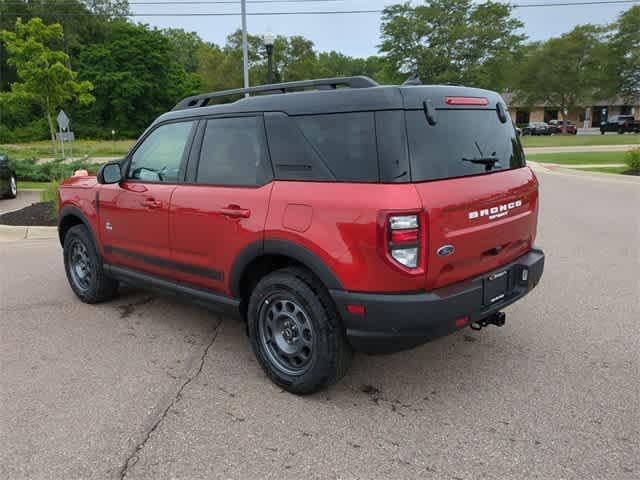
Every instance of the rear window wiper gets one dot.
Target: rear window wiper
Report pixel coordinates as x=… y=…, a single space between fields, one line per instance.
x=488 y=162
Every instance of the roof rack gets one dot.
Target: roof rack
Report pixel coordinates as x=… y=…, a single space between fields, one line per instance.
x=197 y=101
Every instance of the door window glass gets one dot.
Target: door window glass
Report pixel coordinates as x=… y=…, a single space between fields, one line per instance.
x=158 y=158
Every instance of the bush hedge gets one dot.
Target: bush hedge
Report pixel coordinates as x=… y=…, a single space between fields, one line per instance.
x=29 y=169
x=632 y=159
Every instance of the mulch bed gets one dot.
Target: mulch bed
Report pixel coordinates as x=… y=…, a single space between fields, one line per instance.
x=35 y=215
x=632 y=172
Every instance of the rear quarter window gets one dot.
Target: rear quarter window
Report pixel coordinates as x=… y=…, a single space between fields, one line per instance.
x=346 y=143
x=446 y=149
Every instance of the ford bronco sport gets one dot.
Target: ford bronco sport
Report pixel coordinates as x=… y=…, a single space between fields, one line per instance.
x=331 y=215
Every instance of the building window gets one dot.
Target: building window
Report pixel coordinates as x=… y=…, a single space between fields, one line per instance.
x=599 y=115
x=550 y=115
x=522 y=117
x=625 y=110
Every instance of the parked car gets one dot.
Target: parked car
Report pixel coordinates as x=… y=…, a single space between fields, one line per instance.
x=8 y=182
x=536 y=128
x=620 y=124
x=556 y=126
x=364 y=217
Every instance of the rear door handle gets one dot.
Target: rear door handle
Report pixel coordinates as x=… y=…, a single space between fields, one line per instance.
x=152 y=203
x=235 y=211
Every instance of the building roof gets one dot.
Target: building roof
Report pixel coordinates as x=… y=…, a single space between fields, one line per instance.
x=511 y=99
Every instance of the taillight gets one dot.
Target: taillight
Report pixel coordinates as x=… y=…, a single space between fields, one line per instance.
x=404 y=239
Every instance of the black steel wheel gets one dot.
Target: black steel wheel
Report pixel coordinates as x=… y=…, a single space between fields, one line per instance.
x=296 y=332
x=83 y=266
x=286 y=334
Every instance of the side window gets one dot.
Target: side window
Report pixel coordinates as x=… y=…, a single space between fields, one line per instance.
x=158 y=158
x=346 y=142
x=234 y=153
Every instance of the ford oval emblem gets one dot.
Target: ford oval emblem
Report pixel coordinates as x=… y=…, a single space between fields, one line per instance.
x=445 y=250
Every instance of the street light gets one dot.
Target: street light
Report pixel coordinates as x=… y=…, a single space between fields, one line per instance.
x=268 y=39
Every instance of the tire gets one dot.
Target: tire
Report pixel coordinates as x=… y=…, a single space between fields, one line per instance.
x=13 y=187
x=296 y=333
x=83 y=266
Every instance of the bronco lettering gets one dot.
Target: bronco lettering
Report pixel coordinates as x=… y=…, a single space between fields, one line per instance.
x=495 y=212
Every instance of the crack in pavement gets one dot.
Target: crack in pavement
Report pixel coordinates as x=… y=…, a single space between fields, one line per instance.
x=132 y=459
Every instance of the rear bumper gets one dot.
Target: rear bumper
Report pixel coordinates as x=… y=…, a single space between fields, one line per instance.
x=394 y=322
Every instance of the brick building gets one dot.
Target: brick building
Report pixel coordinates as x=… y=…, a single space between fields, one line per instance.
x=591 y=116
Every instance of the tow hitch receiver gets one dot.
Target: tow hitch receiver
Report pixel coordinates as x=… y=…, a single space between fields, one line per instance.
x=498 y=319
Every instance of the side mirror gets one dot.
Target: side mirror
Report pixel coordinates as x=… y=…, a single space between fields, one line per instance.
x=110 y=173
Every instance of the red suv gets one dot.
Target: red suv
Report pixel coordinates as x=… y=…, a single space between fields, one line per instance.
x=330 y=214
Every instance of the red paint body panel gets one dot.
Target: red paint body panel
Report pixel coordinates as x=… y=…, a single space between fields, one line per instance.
x=448 y=204
x=138 y=214
x=207 y=227
x=344 y=230
x=203 y=235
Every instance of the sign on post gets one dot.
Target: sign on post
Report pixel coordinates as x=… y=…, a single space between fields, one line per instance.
x=63 y=120
x=64 y=134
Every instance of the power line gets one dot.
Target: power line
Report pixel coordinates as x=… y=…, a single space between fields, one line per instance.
x=199 y=2
x=325 y=12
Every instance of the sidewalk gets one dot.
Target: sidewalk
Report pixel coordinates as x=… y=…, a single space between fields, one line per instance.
x=10 y=233
x=581 y=148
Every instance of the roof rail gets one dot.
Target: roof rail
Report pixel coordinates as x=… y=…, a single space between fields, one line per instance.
x=197 y=101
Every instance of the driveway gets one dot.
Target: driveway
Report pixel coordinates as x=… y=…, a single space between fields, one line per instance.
x=24 y=199
x=149 y=387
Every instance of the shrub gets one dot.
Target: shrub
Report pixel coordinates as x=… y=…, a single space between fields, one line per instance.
x=30 y=169
x=36 y=130
x=632 y=159
x=50 y=194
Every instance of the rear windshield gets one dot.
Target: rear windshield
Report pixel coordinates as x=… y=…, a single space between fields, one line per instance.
x=461 y=143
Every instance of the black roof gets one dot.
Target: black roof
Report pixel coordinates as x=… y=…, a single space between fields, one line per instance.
x=364 y=97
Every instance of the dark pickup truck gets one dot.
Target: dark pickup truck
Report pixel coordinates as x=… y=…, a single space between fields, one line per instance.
x=620 y=124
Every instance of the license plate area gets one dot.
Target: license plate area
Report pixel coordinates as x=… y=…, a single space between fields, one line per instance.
x=495 y=287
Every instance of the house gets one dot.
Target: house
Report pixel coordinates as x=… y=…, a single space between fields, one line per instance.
x=587 y=117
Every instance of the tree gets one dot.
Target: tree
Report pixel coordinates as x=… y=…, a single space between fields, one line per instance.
x=184 y=47
x=81 y=27
x=625 y=45
x=135 y=78
x=450 y=40
x=44 y=78
x=336 y=64
x=108 y=8
x=565 y=72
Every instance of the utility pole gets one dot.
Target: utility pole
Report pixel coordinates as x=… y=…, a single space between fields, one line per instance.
x=245 y=49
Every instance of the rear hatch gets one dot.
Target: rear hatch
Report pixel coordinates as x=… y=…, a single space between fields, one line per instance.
x=468 y=168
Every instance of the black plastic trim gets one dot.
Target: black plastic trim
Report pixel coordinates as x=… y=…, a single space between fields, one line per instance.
x=285 y=248
x=221 y=303
x=166 y=263
x=76 y=212
x=395 y=322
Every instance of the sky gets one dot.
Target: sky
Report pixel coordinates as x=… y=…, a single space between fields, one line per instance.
x=357 y=34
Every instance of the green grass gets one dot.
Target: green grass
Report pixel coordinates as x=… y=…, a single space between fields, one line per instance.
x=606 y=169
x=579 y=140
x=579 y=158
x=22 y=185
x=91 y=148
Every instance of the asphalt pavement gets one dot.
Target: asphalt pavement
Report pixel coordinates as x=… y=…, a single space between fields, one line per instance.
x=24 y=199
x=150 y=387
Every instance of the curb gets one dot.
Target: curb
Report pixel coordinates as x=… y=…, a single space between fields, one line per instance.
x=10 y=233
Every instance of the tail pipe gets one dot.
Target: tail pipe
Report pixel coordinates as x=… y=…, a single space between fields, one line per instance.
x=498 y=319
